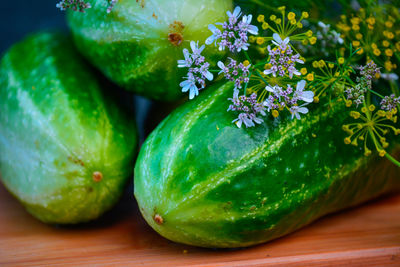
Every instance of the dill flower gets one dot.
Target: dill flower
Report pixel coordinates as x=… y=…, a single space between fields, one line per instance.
x=198 y=70
x=371 y=128
x=285 y=27
x=389 y=103
x=238 y=73
x=372 y=32
x=248 y=108
x=234 y=33
x=75 y=5
x=282 y=61
x=281 y=98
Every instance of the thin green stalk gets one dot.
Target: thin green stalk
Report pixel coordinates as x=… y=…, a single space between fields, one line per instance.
x=389 y=157
x=262 y=78
x=264 y=5
x=247 y=56
x=376 y=93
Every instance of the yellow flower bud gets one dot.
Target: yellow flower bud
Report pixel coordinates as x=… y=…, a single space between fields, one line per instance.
x=371 y=108
x=356 y=43
x=291 y=16
x=355 y=27
x=347 y=141
x=389 y=52
x=389 y=24
x=282 y=8
x=377 y=52
x=260 y=40
x=385 y=43
x=260 y=18
x=388 y=66
x=371 y=20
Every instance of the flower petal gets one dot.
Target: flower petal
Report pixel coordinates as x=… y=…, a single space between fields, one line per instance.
x=277 y=38
x=300 y=85
x=308 y=96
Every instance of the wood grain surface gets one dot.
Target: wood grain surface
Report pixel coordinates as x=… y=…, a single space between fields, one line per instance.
x=365 y=236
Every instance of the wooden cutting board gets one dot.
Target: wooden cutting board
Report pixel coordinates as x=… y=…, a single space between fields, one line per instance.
x=364 y=236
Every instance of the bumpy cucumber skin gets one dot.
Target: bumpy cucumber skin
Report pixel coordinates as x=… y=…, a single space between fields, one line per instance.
x=57 y=129
x=131 y=47
x=214 y=185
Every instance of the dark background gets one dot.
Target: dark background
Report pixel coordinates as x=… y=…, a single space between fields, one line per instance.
x=21 y=17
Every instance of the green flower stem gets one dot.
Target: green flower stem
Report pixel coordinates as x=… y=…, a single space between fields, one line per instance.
x=247 y=84
x=247 y=56
x=264 y=5
x=389 y=157
x=262 y=78
x=261 y=64
x=214 y=71
x=376 y=93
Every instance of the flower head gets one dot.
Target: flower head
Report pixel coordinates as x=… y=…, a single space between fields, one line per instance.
x=238 y=73
x=282 y=60
x=357 y=92
x=111 y=4
x=234 y=33
x=389 y=103
x=75 y=5
x=289 y=98
x=371 y=126
x=198 y=70
x=248 y=108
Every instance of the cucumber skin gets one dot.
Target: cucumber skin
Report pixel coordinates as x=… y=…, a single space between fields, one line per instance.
x=130 y=46
x=218 y=186
x=57 y=129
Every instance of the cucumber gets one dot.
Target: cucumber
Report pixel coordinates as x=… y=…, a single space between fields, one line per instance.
x=66 y=150
x=138 y=44
x=202 y=181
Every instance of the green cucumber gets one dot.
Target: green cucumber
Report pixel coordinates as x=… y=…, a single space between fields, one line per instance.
x=66 y=150
x=138 y=44
x=202 y=181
